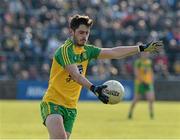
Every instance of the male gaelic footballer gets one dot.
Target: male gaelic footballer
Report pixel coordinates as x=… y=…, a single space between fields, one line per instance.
x=144 y=83
x=67 y=76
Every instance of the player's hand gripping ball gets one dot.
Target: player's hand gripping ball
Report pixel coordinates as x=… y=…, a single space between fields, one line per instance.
x=114 y=90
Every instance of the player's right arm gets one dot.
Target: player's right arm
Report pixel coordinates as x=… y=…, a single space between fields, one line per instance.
x=64 y=57
x=72 y=69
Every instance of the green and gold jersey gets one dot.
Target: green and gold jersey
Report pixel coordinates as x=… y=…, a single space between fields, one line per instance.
x=144 y=69
x=62 y=89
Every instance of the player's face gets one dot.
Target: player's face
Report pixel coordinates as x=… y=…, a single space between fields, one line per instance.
x=81 y=35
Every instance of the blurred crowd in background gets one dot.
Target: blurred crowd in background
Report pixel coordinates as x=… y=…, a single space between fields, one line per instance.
x=31 y=30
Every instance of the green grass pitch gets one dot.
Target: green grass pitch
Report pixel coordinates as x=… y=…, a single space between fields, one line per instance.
x=21 y=119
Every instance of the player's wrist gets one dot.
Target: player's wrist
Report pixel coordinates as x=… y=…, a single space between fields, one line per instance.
x=142 y=47
x=92 y=88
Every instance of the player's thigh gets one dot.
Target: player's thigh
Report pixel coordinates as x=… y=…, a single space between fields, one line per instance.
x=68 y=114
x=138 y=91
x=55 y=126
x=69 y=119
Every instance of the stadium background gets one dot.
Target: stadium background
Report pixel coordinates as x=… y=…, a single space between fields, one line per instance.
x=31 y=30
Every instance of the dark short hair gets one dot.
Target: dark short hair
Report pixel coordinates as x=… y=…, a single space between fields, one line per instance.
x=77 y=20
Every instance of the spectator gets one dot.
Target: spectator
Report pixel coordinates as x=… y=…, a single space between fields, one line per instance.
x=28 y=26
x=161 y=65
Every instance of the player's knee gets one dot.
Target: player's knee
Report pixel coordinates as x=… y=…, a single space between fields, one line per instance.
x=151 y=100
x=135 y=100
x=54 y=124
x=59 y=135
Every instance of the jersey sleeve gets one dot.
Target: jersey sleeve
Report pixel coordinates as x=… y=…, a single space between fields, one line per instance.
x=93 y=51
x=64 y=56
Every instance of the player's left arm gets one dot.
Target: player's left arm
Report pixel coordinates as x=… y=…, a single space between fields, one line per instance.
x=124 y=51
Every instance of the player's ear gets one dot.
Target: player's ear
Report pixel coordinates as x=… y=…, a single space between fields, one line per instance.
x=71 y=31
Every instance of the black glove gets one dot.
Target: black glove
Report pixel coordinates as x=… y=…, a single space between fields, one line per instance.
x=97 y=90
x=153 y=46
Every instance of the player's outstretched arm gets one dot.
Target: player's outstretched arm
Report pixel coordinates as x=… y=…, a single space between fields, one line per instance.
x=124 y=51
